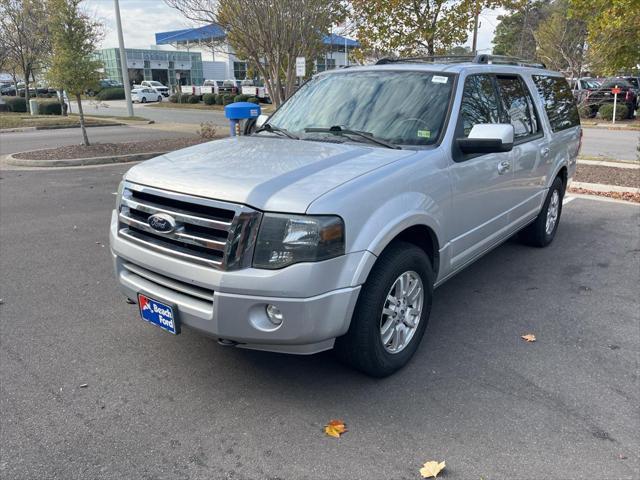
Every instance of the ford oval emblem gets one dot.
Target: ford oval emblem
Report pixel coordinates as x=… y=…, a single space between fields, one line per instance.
x=161 y=222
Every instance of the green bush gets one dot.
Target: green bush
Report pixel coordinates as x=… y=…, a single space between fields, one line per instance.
x=16 y=104
x=111 y=94
x=209 y=98
x=585 y=111
x=253 y=100
x=241 y=98
x=184 y=97
x=219 y=99
x=48 y=107
x=193 y=99
x=227 y=99
x=173 y=98
x=606 y=111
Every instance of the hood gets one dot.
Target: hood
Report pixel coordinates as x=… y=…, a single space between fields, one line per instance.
x=268 y=173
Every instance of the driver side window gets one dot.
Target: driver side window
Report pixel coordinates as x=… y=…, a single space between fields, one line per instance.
x=479 y=102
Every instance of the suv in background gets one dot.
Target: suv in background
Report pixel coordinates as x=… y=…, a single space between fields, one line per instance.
x=157 y=86
x=582 y=87
x=627 y=95
x=331 y=225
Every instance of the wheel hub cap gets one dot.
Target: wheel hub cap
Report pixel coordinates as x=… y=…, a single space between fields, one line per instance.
x=401 y=312
x=552 y=212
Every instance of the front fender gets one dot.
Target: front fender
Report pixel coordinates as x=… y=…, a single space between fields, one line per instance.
x=396 y=215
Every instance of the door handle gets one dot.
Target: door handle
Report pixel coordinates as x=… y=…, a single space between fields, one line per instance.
x=503 y=167
x=544 y=151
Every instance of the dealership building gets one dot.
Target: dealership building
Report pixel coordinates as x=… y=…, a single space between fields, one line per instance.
x=189 y=56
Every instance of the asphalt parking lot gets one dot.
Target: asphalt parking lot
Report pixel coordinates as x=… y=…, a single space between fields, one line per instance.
x=162 y=407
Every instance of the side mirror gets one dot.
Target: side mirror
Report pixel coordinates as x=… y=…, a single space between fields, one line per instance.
x=261 y=120
x=488 y=138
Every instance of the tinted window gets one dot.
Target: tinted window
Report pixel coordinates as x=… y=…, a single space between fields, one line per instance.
x=518 y=106
x=402 y=107
x=479 y=102
x=558 y=102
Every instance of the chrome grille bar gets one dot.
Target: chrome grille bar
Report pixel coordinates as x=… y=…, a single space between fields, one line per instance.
x=209 y=232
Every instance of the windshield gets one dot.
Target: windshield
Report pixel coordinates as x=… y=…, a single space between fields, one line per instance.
x=587 y=84
x=155 y=84
x=405 y=108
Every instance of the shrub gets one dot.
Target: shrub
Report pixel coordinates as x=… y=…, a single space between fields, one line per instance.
x=173 y=98
x=111 y=94
x=193 y=99
x=585 y=111
x=219 y=99
x=4 y=107
x=207 y=130
x=16 y=104
x=241 y=98
x=227 y=99
x=47 y=107
x=253 y=100
x=184 y=97
x=209 y=98
x=606 y=111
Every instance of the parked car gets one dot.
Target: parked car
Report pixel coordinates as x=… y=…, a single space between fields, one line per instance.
x=635 y=83
x=330 y=225
x=602 y=95
x=157 y=86
x=145 y=94
x=102 y=84
x=582 y=87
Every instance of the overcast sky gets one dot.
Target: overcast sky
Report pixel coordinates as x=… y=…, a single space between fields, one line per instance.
x=141 y=19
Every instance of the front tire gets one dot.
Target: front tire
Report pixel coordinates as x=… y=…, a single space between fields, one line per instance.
x=391 y=314
x=159 y=99
x=542 y=231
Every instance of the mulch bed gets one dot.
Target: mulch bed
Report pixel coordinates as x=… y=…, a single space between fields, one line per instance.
x=109 y=149
x=628 y=196
x=621 y=177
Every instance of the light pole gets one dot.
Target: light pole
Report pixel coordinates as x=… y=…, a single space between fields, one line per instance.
x=123 y=61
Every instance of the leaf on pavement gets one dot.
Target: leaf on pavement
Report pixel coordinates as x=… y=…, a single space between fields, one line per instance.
x=335 y=428
x=529 y=337
x=432 y=469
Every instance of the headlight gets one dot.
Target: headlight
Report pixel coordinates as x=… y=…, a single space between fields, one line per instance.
x=119 y=195
x=287 y=239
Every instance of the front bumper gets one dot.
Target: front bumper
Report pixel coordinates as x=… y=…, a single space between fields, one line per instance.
x=316 y=299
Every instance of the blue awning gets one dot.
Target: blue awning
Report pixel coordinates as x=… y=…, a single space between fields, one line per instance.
x=215 y=32
x=208 y=32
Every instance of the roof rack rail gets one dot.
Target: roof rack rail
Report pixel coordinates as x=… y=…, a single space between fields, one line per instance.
x=482 y=58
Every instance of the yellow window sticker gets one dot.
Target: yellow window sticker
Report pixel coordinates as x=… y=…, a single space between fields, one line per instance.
x=424 y=133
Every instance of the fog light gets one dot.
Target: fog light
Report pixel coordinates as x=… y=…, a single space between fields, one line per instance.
x=274 y=314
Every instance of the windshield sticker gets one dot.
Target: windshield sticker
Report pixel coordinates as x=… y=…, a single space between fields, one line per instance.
x=424 y=133
x=439 y=79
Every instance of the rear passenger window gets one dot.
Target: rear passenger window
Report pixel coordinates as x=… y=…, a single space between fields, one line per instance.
x=558 y=102
x=517 y=106
x=479 y=102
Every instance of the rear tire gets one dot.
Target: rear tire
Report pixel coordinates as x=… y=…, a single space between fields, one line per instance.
x=542 y=231
x=385 y=304
x=144 y=100
x=160 y=99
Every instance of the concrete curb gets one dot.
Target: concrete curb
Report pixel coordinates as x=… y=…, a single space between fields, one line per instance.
x=80 y=162
x=609 y=163
x=599 y=187
x=613 y=127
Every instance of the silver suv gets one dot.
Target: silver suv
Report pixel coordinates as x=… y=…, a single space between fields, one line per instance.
x=331 y=225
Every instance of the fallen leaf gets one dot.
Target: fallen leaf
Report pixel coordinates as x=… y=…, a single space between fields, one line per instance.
x=432 y=469
x=529 y=337
x=335 y=428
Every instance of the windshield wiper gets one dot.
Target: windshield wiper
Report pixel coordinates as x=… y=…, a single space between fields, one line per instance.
x=339 y=130
x=267 y=127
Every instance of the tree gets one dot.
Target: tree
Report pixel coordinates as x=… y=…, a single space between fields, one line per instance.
x=25 y=37
x=613 y=33
x=270 y=34
x=417 y=27
x=561 y=40
x=72 y=64
x=514 y=35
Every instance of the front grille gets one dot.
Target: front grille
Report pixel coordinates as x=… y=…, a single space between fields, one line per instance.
x=209 y=232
